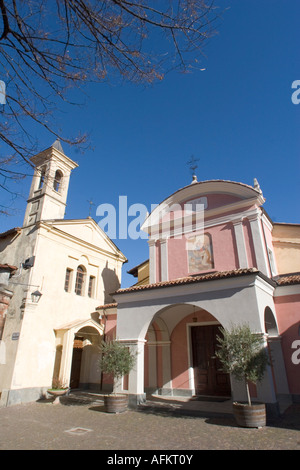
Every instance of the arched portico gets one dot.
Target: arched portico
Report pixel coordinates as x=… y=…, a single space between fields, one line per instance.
x=86 y=335
x=180 y=354
x=230 y=301
x=157 y=375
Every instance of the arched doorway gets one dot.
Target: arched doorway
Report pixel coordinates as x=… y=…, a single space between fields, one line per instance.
x=84 y=369
x=180 y=354
x=78 y=354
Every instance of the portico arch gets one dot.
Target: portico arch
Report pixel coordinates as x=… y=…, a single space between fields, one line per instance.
x=157 y=356
x=180 y=353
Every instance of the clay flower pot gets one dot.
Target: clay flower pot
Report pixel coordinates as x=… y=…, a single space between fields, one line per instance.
x=57 y=393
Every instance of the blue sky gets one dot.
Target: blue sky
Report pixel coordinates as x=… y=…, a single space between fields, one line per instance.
x=236 y=117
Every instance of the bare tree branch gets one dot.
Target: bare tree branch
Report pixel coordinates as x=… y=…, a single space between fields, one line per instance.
x=47 y=47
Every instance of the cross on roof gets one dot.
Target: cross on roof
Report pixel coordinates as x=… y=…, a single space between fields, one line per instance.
x=192 y=164
x=91 y=204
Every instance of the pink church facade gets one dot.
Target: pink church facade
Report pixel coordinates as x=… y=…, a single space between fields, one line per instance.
x=215 y=259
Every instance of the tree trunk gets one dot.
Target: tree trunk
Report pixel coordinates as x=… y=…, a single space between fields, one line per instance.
x=248 y=393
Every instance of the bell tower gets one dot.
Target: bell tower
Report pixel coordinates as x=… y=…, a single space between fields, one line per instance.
x=49 y=187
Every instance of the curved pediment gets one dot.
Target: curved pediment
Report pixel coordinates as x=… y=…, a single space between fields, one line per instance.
x=215 y=197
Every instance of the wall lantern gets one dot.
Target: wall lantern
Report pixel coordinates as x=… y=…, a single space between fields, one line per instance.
x=35 y=296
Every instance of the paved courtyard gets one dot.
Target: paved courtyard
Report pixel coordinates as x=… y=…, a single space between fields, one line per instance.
x=80 y=423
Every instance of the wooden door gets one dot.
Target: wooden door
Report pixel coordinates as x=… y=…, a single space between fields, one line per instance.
x=76 y=363
x=208 y=376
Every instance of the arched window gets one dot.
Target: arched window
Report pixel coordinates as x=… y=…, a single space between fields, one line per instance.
x=57 y=180
x=80 y=279
x=42 y=177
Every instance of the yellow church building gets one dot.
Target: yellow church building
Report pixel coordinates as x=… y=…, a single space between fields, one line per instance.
x=62 y=270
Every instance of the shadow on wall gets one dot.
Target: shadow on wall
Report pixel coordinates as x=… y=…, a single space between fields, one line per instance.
x=111 y=283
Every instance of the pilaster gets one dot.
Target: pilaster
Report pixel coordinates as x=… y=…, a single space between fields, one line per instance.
x=136 y=375
x=259 y=243
x=164 y=259
x=152 y=261
x=240 y=243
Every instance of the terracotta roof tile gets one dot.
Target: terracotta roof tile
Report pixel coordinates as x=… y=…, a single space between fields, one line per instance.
x=112 y=305
x=8 y=267
x=190 y=280
x=288 y=280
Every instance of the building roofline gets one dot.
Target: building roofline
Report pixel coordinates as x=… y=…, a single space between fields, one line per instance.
x=196 y=279
x=287 y=223
x=205 y=182
x=134 y=270
x=11 y=231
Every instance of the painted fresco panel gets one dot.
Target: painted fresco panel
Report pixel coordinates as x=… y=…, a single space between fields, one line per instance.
x=200 y=253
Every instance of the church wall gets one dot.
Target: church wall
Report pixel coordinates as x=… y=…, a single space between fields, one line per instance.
x=30 y=358
x=267 y=232
x=34 y=332
x=287 y=312
x=110 y=334
x=15 y=252
x=231 y=245
x=36 y=345
x=214 y=201
x=286 y=242
x=83 y=231
x=222 y=256
x=56 y=307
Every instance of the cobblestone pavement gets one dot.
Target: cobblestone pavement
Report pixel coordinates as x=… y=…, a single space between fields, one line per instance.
x=80 y=423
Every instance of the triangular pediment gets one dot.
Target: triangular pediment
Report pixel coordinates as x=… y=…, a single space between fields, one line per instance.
x=87 y=231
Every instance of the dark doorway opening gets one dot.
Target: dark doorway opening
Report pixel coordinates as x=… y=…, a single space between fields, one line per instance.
x=76 y=362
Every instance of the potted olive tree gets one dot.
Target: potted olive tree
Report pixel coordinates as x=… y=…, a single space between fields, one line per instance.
x=118 y=360
x=242 y=354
